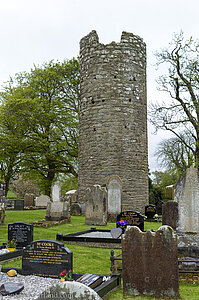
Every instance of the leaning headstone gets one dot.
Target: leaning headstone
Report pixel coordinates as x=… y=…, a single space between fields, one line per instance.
x=42 y=201
x=21 y=232
x=46 y=258
x=150 y=211
x=132 y=218
x=96 y=205
x=29 y=200
x=114 y=188
x=170 y=214
x=69 y=290
x=150 y=262
x=75 y=209
x=187 y=196
x=56 y=191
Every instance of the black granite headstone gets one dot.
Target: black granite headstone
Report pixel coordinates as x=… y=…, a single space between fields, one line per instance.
x=19 y=204
x=132 y=218
x=150 y=211
x=21 y=232
x=46 y=258
x=10 y=288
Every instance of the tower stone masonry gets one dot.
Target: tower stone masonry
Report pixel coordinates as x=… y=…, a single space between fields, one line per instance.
x=113 y=117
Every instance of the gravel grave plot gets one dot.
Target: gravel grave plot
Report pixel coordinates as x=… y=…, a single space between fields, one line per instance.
x=33 y=286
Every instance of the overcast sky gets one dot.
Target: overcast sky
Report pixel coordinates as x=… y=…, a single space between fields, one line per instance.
x=36 y=31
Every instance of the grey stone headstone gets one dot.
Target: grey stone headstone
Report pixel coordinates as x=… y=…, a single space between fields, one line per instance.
x=56 y=191
x=187 y=196
x=57 y=211
x=96 y=205
x=69 y=290
x=42 y=201
x=116 y=232
x=114 y=187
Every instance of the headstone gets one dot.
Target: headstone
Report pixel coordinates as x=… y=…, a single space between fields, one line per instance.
x=96 y=205
x=19 y=204
x=11 y=288
x=133 y=218
x=71 y=196
x=187 y=196
x=114 y=188
x=21 y=232
x=116 y=232
x=150 y=263
x=42 y=201
x=158 y=205
x=46 y=258
x=69 y=290
x=75 y=209
x=2 y=213
x=57 y=211
x=29 y=200
x=150 y=211
x=56 y=191
x=170 y=214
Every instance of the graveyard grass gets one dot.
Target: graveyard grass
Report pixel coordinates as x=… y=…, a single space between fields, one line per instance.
x=85 y=259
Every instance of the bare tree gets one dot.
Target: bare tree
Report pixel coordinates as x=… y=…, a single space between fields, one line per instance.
x=181 y=112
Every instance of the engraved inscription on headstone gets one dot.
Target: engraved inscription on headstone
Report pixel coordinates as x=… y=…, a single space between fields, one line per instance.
x=133 y=218
x=21 y=232
x=46 y=258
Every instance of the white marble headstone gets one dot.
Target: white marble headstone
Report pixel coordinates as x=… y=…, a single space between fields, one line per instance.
x=114 y=187
x=56 y=191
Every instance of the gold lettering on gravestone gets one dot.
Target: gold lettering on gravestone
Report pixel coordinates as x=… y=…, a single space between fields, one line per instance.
x=131 y=218
x=45 y=255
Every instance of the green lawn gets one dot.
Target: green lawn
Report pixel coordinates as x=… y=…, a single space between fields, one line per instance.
x=85 y=259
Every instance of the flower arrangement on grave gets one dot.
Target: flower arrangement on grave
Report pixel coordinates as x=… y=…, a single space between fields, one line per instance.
x=66 y=276
x=156 y=217
x=122 y=223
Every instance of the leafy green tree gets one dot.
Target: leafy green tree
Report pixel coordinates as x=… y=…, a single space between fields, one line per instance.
x=43 y=106
x=180 y=114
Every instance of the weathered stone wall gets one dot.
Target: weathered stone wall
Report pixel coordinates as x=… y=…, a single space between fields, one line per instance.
x=113 y=117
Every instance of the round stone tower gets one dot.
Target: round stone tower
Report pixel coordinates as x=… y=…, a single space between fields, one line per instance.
x=113 y=117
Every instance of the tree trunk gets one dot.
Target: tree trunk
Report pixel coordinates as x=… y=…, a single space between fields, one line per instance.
x=49 y=179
